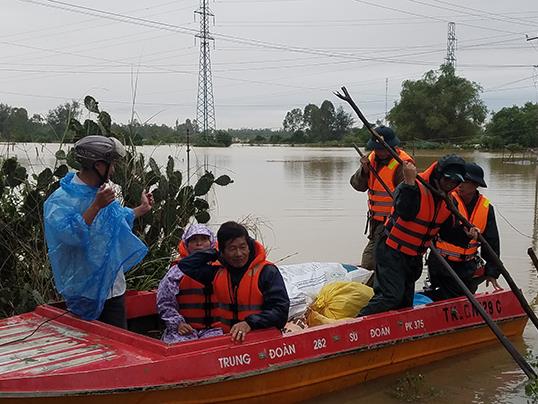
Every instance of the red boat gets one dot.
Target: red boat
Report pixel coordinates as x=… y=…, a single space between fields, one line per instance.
x=74 y=361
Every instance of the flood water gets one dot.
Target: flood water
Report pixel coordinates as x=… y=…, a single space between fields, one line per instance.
x=300 y=201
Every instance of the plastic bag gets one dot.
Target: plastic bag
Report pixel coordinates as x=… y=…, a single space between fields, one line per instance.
x=419 y=299
x=86 y=259
x=304 y=281
x=339 y=300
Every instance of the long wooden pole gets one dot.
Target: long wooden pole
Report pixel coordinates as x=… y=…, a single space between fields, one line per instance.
x=518 y=358
x=534 y=259
x=517 y=292
x=372 y=170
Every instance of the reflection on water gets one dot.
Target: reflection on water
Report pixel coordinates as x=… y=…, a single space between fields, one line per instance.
x=476 y=377
x=306 y=209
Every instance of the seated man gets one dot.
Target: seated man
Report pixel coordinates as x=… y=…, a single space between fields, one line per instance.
x=417 y=217
x=89 y=234
x=249 y=290
x=184 y=304
x=466 y=262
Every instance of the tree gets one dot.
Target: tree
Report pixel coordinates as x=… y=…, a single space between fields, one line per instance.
x=59 y=117
x=19 y=126
x=513 y=125
x=293 y=121
x=5 y=111
x=321 y=123
x=327 y=120
x=312 y=121
x=223 y=137
x=14 y=124
x=441 y=106
x=275 y=139
x=343 y=122
x=298 y=137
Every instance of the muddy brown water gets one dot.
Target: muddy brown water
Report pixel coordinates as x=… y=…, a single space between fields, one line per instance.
x=304 y=209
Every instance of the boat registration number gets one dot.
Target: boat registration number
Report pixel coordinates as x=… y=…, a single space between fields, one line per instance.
x=320 y=343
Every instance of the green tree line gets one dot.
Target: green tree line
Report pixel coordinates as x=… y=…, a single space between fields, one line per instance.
x=318 y=124
x=441 y=108
x=60 y=124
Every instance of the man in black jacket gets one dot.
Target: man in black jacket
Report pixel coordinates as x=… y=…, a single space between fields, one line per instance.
x=249 y=290
x=467 y=263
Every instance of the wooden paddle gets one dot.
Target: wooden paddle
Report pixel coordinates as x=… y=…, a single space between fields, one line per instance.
x=534 y=259
x=520 y=360
x=450 y=204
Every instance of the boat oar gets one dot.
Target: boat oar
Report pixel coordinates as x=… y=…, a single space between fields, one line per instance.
x=534 y=259
x=518 y=358
x=502 y=269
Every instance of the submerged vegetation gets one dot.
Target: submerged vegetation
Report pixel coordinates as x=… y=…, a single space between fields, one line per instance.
x=411 y=388
x=25 y=275
x=531 y=387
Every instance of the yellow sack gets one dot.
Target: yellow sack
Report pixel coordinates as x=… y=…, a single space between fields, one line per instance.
x=339 y=300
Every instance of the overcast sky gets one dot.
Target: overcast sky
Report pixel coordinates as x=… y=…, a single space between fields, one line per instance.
x=269 y=55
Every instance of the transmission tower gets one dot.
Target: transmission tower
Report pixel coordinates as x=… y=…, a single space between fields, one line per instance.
x=451 y=45
x=205 y=107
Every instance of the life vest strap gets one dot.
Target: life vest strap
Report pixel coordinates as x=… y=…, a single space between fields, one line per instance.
x=193 y=291
x=239 y=307
x=380 y=203
x=400 y=242
x=425 y=223
x=378 y=193
x=420 y=236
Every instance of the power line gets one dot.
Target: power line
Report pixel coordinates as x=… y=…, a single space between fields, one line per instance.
x=508 y=83
x=433 y=18
x=459 y=10
x=245 y=41
x=505 y=16
x=77 y=24
x=229 y=38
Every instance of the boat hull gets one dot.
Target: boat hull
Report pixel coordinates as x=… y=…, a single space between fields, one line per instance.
x=306 y=379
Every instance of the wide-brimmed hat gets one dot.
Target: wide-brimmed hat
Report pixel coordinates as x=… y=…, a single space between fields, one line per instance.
x=388 y=135
x=474 y=173
x=453 y=167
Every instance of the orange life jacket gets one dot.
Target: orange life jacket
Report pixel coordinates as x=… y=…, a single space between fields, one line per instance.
x=479 y=218
x=195 y=300
x=379 y=200
x=183 y=252
x=195 y=303
x=236 y=304
x=413 y=237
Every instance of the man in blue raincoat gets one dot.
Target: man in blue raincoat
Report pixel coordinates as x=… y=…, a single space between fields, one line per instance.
x=89 y=234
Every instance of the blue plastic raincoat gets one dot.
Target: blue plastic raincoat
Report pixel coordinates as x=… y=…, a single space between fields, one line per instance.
x=86 y=259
